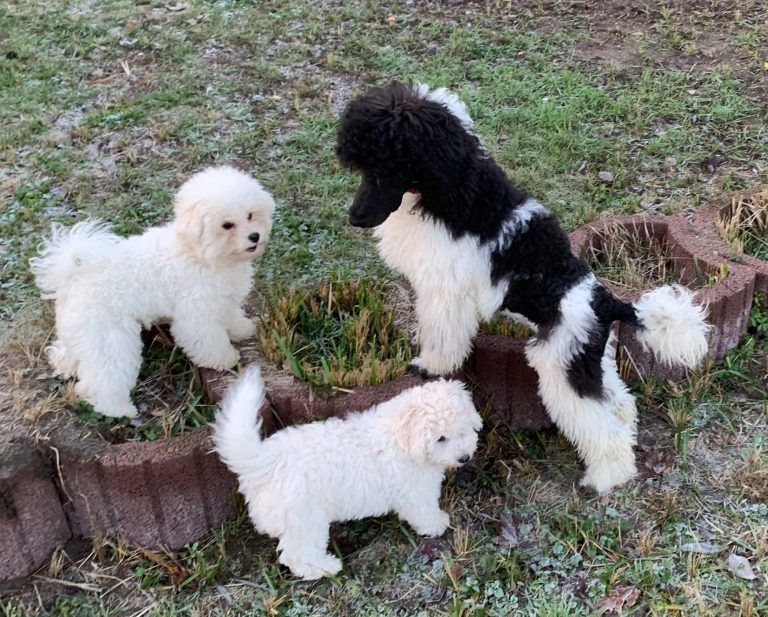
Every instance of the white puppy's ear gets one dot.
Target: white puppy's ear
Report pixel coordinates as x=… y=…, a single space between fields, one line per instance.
x=190 y=226
x=410 y=430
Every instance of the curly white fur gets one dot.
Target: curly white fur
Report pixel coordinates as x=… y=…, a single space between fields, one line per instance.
x=194 y=271
x=674 y=328
x=392 y=457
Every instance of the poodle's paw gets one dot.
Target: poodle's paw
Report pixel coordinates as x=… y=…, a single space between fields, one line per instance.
x=416 y=370
x=431 y=365
x=327 y=565
x=221 y=361
x=607 y=475
x=241 y=328
x=434 y=527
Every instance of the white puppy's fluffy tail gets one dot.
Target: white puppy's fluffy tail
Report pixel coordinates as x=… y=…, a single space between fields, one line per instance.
x=68 y=253
x=672 y=326
x=236 y=428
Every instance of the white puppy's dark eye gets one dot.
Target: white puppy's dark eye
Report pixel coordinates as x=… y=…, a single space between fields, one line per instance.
x=441 y=439
x=250 y=215
x=228 y=225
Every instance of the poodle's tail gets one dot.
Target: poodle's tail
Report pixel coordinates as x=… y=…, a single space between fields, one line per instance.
x=669 y=323
x=236 y=428
x=69 y=253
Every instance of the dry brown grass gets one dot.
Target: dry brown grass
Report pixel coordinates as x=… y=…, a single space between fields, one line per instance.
x=746 y=226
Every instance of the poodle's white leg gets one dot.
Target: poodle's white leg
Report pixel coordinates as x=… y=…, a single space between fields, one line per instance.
x=420 y=508
x=447 y=321
x=108 y=369
x=602 y=429
x=240 y=327
x=303 y=544
x=205 y=340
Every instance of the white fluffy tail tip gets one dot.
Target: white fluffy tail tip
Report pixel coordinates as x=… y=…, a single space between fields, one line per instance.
x=674 y=328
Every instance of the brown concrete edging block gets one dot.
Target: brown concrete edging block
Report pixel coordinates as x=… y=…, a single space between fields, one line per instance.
x=502 y=379
x=705 y=221
x=295 y=402
x=32 y=521
x=728 y=300
x=163 y=493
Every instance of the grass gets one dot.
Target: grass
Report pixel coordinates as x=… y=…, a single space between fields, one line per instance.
x=745 y=227
x=339 y=334
x=633 y=258
x=106 y=108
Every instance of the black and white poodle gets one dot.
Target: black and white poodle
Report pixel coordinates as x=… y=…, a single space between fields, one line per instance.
x=472 y=244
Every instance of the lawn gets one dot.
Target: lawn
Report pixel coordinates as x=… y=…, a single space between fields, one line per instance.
x=106 y=107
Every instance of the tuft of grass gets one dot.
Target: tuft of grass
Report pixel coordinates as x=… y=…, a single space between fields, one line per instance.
x=745 y=225
x=340 y=334
x=504 y=326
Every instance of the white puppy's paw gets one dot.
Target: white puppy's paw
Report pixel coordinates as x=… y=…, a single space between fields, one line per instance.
x=241 y=329
x=325 y=566
x=225 y=359
x=435 y=527
x=604 y=477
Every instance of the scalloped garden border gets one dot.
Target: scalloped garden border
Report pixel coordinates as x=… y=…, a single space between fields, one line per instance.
x=704 y=221
x=728 y=301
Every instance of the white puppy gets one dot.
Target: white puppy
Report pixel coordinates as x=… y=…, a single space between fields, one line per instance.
x=392 y=457
x=194 y=271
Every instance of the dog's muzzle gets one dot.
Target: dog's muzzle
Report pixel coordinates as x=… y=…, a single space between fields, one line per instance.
x=464 y=459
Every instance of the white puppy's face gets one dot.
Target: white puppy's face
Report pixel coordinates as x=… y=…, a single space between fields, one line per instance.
x=223 y=215
x=439 y=424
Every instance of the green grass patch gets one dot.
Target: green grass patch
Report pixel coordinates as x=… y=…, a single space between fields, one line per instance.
x=340 y=334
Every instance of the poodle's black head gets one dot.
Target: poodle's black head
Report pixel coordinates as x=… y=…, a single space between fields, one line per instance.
x=400 y=140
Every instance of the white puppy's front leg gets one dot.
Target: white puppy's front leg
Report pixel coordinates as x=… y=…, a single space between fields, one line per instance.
x=240 y=327
x=447 y=322
x=420 y=507
x=205 y=341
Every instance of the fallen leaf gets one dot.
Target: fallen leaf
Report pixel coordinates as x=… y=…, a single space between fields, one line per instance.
x=740 y=567
x=765 y=65
x=176 y=571
x=177 y=7
x=391 y=19
x=699 y=547
x=624 y=595
x=508 y=535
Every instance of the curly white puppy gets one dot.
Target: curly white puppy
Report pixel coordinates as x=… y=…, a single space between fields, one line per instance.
x=392 y=457
x=194 y=271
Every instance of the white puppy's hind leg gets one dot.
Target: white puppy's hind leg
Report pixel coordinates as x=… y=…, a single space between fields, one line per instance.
x=303 y=545
x=108 y=369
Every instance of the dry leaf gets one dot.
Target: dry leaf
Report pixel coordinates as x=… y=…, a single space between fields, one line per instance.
x=740 y=567
x=177 y=7
x=624 y=595
x=508 y=535
x=176 y=571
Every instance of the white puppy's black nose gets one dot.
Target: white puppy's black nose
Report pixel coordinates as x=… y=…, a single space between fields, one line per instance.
x=254 y=237
x=464 y=459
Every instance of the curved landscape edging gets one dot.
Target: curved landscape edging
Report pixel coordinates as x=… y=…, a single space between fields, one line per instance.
x=728 y=300
x=705 y=222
